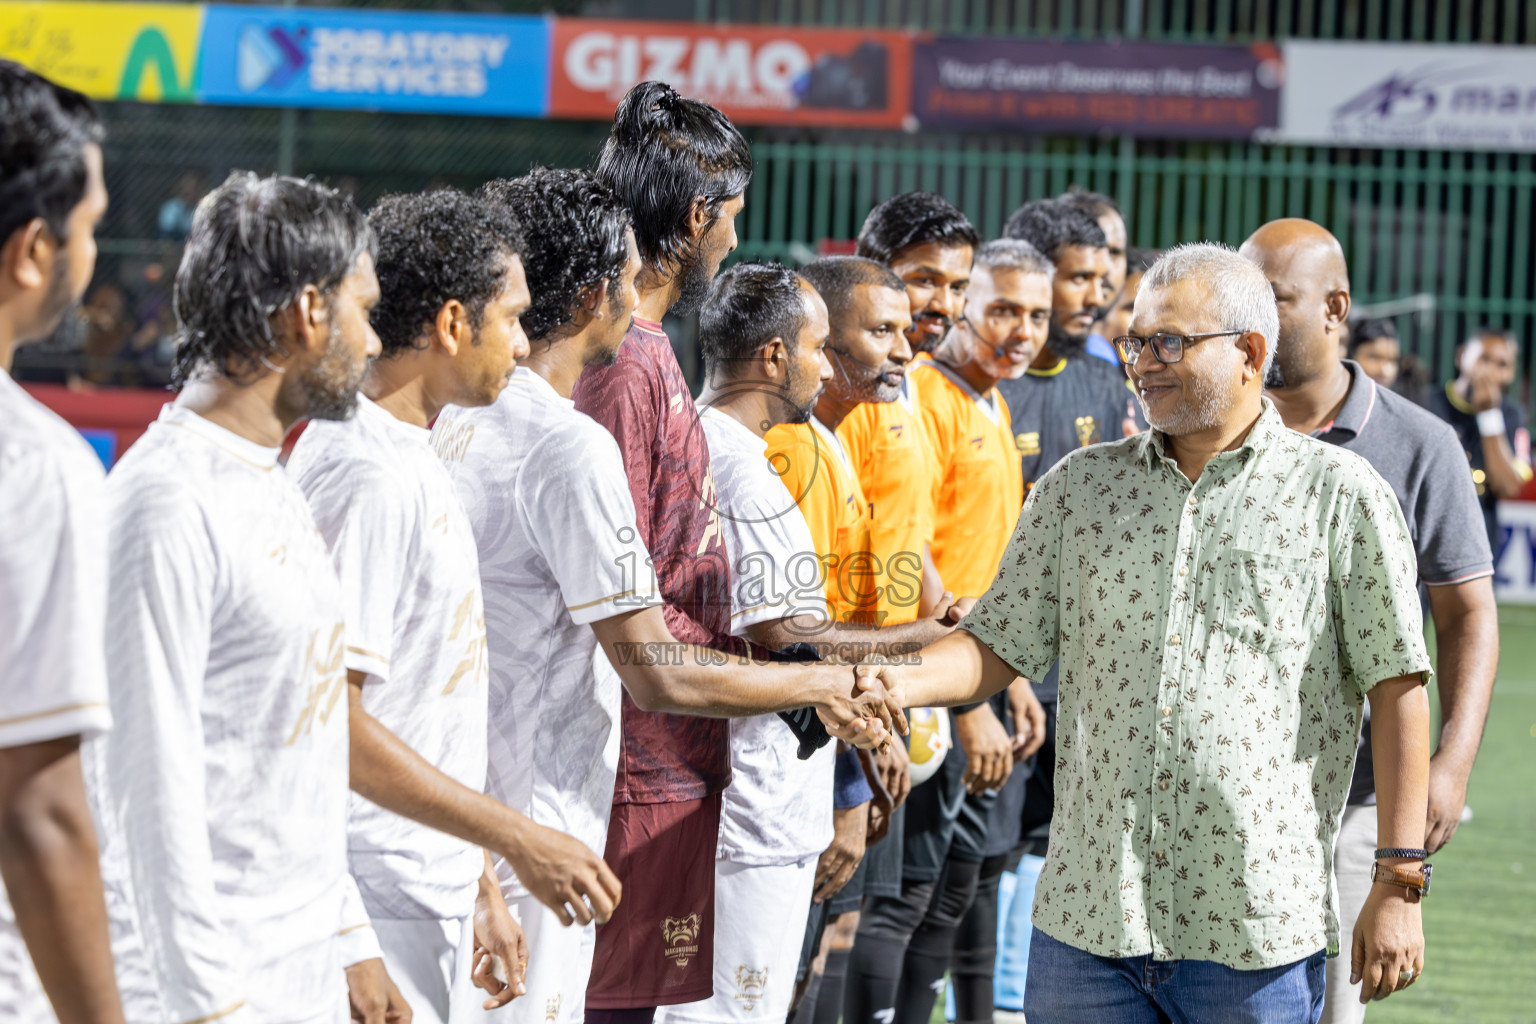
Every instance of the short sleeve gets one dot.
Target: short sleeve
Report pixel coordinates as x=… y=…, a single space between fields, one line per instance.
x=1448 y=520
x=53 y=580
x=367 y=521
x=1372 y=583
x=584 y=524
x=1019 y=616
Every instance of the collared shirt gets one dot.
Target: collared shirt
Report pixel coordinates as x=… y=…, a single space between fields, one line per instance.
x=815 y=467
x=1420 y=458
x=1217 y=639
x=982 y=493
x=889 y=447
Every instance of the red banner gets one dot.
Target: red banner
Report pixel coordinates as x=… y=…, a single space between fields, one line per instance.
x=755 y=75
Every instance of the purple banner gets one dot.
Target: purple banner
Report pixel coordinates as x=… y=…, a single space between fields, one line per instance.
x=1165 y=90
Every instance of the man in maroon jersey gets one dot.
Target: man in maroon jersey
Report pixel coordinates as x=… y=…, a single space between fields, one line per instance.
x=682 y=168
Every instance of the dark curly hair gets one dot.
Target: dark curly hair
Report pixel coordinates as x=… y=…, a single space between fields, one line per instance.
x=575 y=237
x=42 y=161
x=434 y=247
x=663 y=152
x=913 y=218
x=256 y=244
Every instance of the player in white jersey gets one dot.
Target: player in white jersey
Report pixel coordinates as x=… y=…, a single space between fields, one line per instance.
x=564 y=570
x=222 y=790
x=452 y=291
x=764 y=332
x=53 y=679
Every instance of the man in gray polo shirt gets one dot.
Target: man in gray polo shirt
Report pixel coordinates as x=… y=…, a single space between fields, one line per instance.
x=1420 y=458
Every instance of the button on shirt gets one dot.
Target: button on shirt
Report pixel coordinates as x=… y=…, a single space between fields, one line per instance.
x=1208 y=719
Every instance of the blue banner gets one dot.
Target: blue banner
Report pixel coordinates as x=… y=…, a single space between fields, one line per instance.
x=376 y=60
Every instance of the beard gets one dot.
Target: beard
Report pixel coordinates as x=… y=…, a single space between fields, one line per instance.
x=921 y=340
x=1274 y=377
x=57 y=315
x=694 y=277
x=1206 y=403
x=329 y=388
x=609 y=356
x=1066 y=345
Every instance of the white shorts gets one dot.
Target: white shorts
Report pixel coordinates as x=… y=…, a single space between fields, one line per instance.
x=760 y=915
x=559 y=964
x=424 y=958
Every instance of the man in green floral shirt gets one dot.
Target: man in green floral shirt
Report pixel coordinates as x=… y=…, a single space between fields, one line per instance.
x=1223 y=594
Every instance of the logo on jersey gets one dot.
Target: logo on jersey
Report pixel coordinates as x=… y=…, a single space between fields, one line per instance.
x=325 y=680
x=469 y=625
x=751 y=986
x=1029 y=444
x=1087 y=430
x=681 y=935
x=552 y=1009
x=895 y=430
x=978 y=443
x=451 y=440
x=713 y=534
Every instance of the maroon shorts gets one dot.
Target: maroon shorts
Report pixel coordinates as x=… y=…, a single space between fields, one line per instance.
x=658 y=949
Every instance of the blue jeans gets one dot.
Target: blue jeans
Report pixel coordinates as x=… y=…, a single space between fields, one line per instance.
x=1066 y=985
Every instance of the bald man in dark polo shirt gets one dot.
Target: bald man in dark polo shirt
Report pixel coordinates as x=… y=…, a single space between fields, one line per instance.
x=1421 y=459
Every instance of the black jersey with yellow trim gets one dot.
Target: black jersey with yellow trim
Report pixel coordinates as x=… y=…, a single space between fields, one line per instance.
x=1061 y=408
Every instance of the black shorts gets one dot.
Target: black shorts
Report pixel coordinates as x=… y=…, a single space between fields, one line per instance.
x=932 y=811
x=879 y=873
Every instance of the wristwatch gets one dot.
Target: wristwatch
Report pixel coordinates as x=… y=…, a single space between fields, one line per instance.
x=1415 y=880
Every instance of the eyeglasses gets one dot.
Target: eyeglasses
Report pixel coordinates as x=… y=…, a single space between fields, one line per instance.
x=1168 y=348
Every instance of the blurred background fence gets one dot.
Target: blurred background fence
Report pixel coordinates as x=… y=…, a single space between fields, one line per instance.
x=1443 y=238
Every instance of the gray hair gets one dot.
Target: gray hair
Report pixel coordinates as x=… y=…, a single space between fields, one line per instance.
x=1240 y=294
x=1014 y=254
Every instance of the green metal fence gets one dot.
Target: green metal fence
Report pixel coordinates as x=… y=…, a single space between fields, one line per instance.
x=1453 y=226
x=1493 y=21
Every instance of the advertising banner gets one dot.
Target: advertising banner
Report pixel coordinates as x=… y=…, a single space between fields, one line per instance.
x=1409 y=95
x=1147 y=89
x=376 y=60
x=109 y=51
x=756 y=75
x=1514 y=570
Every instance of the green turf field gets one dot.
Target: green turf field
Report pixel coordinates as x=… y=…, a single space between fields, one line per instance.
x=1480 y=922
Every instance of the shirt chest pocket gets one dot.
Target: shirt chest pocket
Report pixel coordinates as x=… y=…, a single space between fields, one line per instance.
x=1267 y=599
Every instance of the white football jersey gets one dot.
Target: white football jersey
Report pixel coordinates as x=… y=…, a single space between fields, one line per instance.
x=546 y=495
x=53 y=582
x=222 y=791
x=778 y=808
x=410 y=584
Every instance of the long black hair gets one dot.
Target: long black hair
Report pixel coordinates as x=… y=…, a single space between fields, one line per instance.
x=663 y=152
x=256 y=244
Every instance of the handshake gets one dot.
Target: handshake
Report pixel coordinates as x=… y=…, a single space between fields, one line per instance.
x=862 y=711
